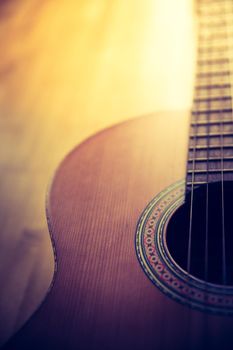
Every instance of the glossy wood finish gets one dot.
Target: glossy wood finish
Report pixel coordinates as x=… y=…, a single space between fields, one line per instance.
x=101 y=298
x=67 y=70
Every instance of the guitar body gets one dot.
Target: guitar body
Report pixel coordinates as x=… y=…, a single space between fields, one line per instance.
x=101 y=298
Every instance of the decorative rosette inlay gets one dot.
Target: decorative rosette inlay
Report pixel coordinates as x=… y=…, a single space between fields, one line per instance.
x=162 y=270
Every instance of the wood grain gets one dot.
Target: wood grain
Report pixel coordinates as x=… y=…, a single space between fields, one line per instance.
x=101 y=298
x=68 y=69
x=97 y=195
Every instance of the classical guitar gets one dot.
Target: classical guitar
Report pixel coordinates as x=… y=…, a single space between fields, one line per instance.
x=133 y=275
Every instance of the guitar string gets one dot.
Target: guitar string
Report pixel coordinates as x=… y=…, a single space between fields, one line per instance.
x=208 y=80
x=194 y=144
x=207 y=192
x=206 y=248
x=230 y=68
x=208 y=105
x=207 y=198
x=224 y=272
x=230 y=48
x=194 y=141
x=191 y=200
x=192 y=192
x=222 y=187
x=224 y=267
x=206 y=262
x=206 y=245
x=222 y=201
x=195 y=114
x=196 y=108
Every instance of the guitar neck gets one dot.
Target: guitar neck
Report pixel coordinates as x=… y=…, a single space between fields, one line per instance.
x=210 y=154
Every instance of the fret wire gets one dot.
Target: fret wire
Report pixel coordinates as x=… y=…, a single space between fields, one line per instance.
x=214 y=32
x=213 y=93
x=208 y=49
x=212 y=13
x=214 y=122
x=214 y=134
x=204 y=171
x=213 y=42
x=215 y=86
x=203 y=38
x=210 y=99
x=197 y=183
x=213 y=111
x=213 y=97
x=205 y=9
x=215 y=25
x=204 y=81
x=216 y=58
x=204 y=147
x=213 y=74
x=212 y=117
x=212 y=61
x=214 y=159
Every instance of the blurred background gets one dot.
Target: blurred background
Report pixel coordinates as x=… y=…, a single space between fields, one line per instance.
x=67 y=70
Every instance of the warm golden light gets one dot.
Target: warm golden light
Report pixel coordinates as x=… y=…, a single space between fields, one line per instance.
x=69 y=69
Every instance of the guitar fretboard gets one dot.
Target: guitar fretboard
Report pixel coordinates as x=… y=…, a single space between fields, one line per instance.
x=210 y=156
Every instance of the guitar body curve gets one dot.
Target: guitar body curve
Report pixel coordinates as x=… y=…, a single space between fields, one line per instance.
x=101 y=298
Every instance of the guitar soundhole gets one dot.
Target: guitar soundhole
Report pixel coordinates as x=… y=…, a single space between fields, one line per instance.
x=211 y=236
